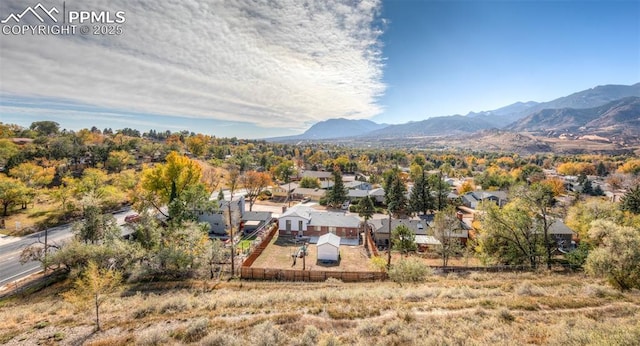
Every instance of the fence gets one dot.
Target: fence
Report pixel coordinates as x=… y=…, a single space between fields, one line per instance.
x=373 y=249
x=249 y=273
x=489 y=269
x=263 y=245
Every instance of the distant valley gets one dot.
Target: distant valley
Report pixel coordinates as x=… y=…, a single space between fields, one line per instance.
x=602 y=119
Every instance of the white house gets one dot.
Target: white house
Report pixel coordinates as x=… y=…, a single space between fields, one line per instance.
x=294 y=221
x=328 y=247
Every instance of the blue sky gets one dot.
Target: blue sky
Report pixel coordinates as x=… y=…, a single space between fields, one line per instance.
x=258 y=70
x=453 y=57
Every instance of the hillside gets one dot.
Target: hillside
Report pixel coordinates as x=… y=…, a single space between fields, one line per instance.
x=437 y=126
x=470 y=308
x=335 y=128
x=584 y=99
x=615 y=118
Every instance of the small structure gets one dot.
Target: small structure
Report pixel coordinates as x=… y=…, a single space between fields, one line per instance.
x=328 y=248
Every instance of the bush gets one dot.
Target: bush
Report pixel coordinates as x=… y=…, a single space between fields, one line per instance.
x=219 y=339
x=323 y=201
x=528 y=289
x=353 y=208
x=196 y=330
x=267 y=334
x=409 y=270
x=153 y=337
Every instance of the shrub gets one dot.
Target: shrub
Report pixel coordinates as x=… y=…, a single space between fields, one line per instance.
x=368 y=329
x=153 y=337
x=310 y=336
x=219 y=339
x=506 y=315
x=267 y=334
x=329 y=340
x=196 y=330
x=528 y=289
x=409 y=270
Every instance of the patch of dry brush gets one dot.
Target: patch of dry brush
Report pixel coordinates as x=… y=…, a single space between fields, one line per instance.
x=477 y=308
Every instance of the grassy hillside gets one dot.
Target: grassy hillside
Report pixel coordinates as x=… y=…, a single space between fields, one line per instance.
x=476 y=308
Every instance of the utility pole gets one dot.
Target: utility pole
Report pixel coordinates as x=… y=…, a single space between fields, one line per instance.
x=389 y=251
x=233 y=245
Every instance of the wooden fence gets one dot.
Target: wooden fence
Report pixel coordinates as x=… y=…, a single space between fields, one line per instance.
x=489 y=269
x=263 y=245
x=372 y=245
x=249 y=273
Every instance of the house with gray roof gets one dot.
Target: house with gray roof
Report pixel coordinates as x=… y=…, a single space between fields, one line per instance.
x=301 y=220
x=474 y=199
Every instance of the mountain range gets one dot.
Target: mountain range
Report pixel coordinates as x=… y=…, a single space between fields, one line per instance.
x=611 y=112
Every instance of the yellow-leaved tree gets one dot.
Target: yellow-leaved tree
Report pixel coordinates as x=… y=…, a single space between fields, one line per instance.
x=93 y=287
x=170 y=181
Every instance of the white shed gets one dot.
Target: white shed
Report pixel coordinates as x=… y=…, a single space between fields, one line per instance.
x=328 y=247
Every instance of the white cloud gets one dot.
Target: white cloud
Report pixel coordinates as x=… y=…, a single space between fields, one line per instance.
x=272 y=63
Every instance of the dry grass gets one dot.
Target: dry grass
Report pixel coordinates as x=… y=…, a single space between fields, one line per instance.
x=465 y=309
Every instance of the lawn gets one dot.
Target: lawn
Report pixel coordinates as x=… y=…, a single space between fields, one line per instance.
x=37 y=216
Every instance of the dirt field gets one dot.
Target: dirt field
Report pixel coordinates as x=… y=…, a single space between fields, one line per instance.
x=278 y=256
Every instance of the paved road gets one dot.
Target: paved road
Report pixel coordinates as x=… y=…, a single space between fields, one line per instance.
x=11 y=247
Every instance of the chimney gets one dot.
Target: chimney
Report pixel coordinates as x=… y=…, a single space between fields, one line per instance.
x=459 y=215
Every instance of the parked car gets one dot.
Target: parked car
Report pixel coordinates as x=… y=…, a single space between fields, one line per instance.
x=345 y=205
x=133 y=218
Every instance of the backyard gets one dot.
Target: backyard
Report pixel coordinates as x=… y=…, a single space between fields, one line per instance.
x=278 y=255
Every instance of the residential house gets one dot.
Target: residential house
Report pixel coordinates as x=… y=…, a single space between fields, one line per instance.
x=301 y=220
x=218 y=220
x=356 y=195
x=340 y=224
x=380 y=230
x=311 y=194
x=284 y=190
x=562 y=235
x=294 y=220
x=474 y=199
x=377 y=195
x=358 y=185
x=321 y=175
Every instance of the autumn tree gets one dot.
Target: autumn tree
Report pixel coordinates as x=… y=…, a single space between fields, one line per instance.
x=509 y=235
x=95 y=226
x=254 y=182
x=12 y=191
x=164 y=183
x=538 y=199
x=467 y=186
x=197 y=144
x=583 y=213
x=556 y=185
x=33 y=175
x=284 y=172
x=119 y=160
x=310 y=183
x=45 y=128
x=403 y=239
x=7 y=150
x=92 y=288
x=446 y=226
x=617 y=256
